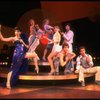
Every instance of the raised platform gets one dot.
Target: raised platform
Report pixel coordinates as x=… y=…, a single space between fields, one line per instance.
x=43 y=76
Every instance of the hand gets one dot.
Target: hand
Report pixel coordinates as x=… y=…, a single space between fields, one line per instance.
x=67 y=59
x=50 y=42
x=27 y=46
x=88 y=59
x=77 y=71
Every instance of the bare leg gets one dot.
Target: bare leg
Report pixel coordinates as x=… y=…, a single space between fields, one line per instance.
x=36 y=65
x=8 y=80
x=44 y=55
x=50 y=60
x=35 y=57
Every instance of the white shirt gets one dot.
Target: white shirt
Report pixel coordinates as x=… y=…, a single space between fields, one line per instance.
x=81 y=61
x=68 y=37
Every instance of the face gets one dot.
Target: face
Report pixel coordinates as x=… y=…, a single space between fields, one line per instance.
x=82 y=52
x=66 y=49
x=32 y=22
x=67 y=27
x=56 y=29
x=17 y=32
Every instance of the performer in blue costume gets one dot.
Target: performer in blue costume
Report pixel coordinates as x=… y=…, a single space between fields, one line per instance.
x=18 y=56
x=24 y=65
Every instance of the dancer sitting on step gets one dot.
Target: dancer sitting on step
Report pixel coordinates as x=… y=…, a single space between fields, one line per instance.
x=84 y=64
x=65 y=59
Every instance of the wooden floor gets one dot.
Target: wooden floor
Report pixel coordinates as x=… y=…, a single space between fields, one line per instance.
x=91 y=90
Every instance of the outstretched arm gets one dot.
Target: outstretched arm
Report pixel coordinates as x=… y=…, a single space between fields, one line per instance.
x=5 y=39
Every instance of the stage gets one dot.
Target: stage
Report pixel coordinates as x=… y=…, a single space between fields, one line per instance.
x=30 y=85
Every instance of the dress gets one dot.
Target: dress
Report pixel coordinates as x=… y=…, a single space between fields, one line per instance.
x=56 y=46
x=18 y=56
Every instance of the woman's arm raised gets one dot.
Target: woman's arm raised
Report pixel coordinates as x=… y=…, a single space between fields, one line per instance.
x=5 y=39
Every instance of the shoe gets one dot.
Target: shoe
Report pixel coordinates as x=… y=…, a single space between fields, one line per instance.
x=82 y=83
x=37 y=70
x=68 y=72
x=76 y=71
x=44 y=59
x=56 y=73
x=52 y=72
x=8 y=86
x=97 y=82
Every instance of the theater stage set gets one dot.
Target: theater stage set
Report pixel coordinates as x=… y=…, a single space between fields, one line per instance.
x=85 y=19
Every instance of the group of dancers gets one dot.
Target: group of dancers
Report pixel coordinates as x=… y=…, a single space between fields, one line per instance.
x=60 y=55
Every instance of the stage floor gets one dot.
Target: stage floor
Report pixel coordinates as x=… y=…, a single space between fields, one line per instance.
x=53 y=90
x=91 y=90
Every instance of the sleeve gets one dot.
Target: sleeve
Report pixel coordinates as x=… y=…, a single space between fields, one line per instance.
x=68 y=36
x=91 y=61
x=47 y=27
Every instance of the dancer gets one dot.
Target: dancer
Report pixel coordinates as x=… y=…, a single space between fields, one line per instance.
x=84 y=64
x=38 y=35
x=66 y=59
x=68 y=36
x=56 y=48
x=18 y=56
x=49 y=30
x=32 y=29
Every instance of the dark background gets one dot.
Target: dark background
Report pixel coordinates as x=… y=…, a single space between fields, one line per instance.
x=86 y=32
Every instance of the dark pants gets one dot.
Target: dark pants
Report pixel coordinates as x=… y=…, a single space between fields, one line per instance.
x=56 y=65
x=69 y=67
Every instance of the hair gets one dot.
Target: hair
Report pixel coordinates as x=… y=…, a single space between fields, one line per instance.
x=68 y=24
x=65 y=44
x=81 y=47
x=18 y=28
x=45 y=20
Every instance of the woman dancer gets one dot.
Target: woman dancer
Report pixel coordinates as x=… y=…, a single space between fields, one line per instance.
x=18 y=56
x=56 y=48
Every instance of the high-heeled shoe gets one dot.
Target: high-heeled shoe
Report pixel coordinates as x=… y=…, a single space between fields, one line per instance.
x=37 y=70
x=52 y=72
x=8 y=86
